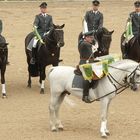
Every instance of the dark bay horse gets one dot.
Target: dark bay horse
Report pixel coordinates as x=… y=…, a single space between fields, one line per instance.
x=3 y=62
x=132 y=48
x=46 y=54
x=104 y=38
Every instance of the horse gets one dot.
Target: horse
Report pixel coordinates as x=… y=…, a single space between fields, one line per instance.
x=46 y=54
x=104 y=38
x=132 y=48
x=3 y=62
x=122 y=74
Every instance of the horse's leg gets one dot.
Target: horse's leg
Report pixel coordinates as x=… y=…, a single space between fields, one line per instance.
x=42 y=80
x=52 y=108
x=29 y=79
x=104 y=110
x=3 y=82
x=58 y=121
x=54 y=112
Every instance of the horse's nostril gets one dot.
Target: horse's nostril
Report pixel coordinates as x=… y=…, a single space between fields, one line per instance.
x=134 y=88
x=61 y=43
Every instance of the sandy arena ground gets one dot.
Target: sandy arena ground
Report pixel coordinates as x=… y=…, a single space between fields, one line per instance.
x=24 y=115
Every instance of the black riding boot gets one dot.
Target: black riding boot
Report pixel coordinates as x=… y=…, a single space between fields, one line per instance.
x=86 y=86
x=33 y=57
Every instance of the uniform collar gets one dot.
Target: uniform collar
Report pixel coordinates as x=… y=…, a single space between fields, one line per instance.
x=44 y=14
x=95 y=11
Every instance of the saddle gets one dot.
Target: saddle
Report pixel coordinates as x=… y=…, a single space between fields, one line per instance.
x=77 y=83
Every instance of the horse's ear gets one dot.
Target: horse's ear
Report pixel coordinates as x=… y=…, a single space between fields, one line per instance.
x=54 y=26
x=62 y=26
x=112 y=32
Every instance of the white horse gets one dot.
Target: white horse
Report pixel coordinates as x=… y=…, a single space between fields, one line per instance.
x=122 y=73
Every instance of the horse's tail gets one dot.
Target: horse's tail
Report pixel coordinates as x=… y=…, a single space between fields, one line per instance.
x=69 y=101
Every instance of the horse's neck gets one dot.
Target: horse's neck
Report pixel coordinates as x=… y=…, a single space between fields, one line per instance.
x=122 y=70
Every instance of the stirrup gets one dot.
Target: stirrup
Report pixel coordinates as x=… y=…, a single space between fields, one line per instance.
x=32 y=61
x=86 y=99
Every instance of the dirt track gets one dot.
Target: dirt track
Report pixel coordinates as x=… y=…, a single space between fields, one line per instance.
x=24 y=115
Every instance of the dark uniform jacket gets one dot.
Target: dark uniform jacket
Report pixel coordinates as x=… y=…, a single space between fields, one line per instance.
x=135 y=22
x=94 y=21
x=0 y=26
x=85 y=50
x=43 y=24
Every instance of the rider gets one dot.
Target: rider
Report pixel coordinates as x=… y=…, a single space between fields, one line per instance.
x=94 y=18
x=86 y=56
x=134 y=18
x=43 y=23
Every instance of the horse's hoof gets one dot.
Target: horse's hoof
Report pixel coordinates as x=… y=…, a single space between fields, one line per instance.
x=42 y=91
x=28 y=86
x=54 y=129
x=107 y=133
x=104 y=136
x=4 y=96
x=61 y=129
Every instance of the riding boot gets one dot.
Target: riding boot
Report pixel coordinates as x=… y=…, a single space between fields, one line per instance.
x=33 y=56
x=86 y=86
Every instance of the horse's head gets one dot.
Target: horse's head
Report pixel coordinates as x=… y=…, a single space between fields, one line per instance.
x=104 y=38
x=56 y=35
x=134 y=79
x=3 y=47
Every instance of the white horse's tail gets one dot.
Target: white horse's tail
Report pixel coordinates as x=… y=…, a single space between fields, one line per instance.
x=69 y=101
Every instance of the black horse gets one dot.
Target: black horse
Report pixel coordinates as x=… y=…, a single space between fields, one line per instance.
x=131 y=50
x=104 y=38
x=3 y=62
x=46 y=54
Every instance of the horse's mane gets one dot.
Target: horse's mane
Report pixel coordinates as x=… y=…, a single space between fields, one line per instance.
x=105 y=30
x=122 y=62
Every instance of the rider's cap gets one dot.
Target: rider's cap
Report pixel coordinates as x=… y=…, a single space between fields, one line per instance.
x=95 y=2
x=43 y=5
x=137 y=4
x=90 y=33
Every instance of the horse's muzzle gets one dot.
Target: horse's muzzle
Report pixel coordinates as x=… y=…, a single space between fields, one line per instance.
x=60 y=44
x=134 y=87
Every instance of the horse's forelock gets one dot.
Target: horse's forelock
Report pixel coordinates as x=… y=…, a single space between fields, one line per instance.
x=105 y=30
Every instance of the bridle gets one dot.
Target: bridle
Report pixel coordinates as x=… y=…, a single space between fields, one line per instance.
x=103 y=48
x=122 y=86
x=132 y=81
x=54 y=40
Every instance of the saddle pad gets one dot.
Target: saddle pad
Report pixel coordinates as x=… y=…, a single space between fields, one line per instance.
x=77 y=82
x=30 y=45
